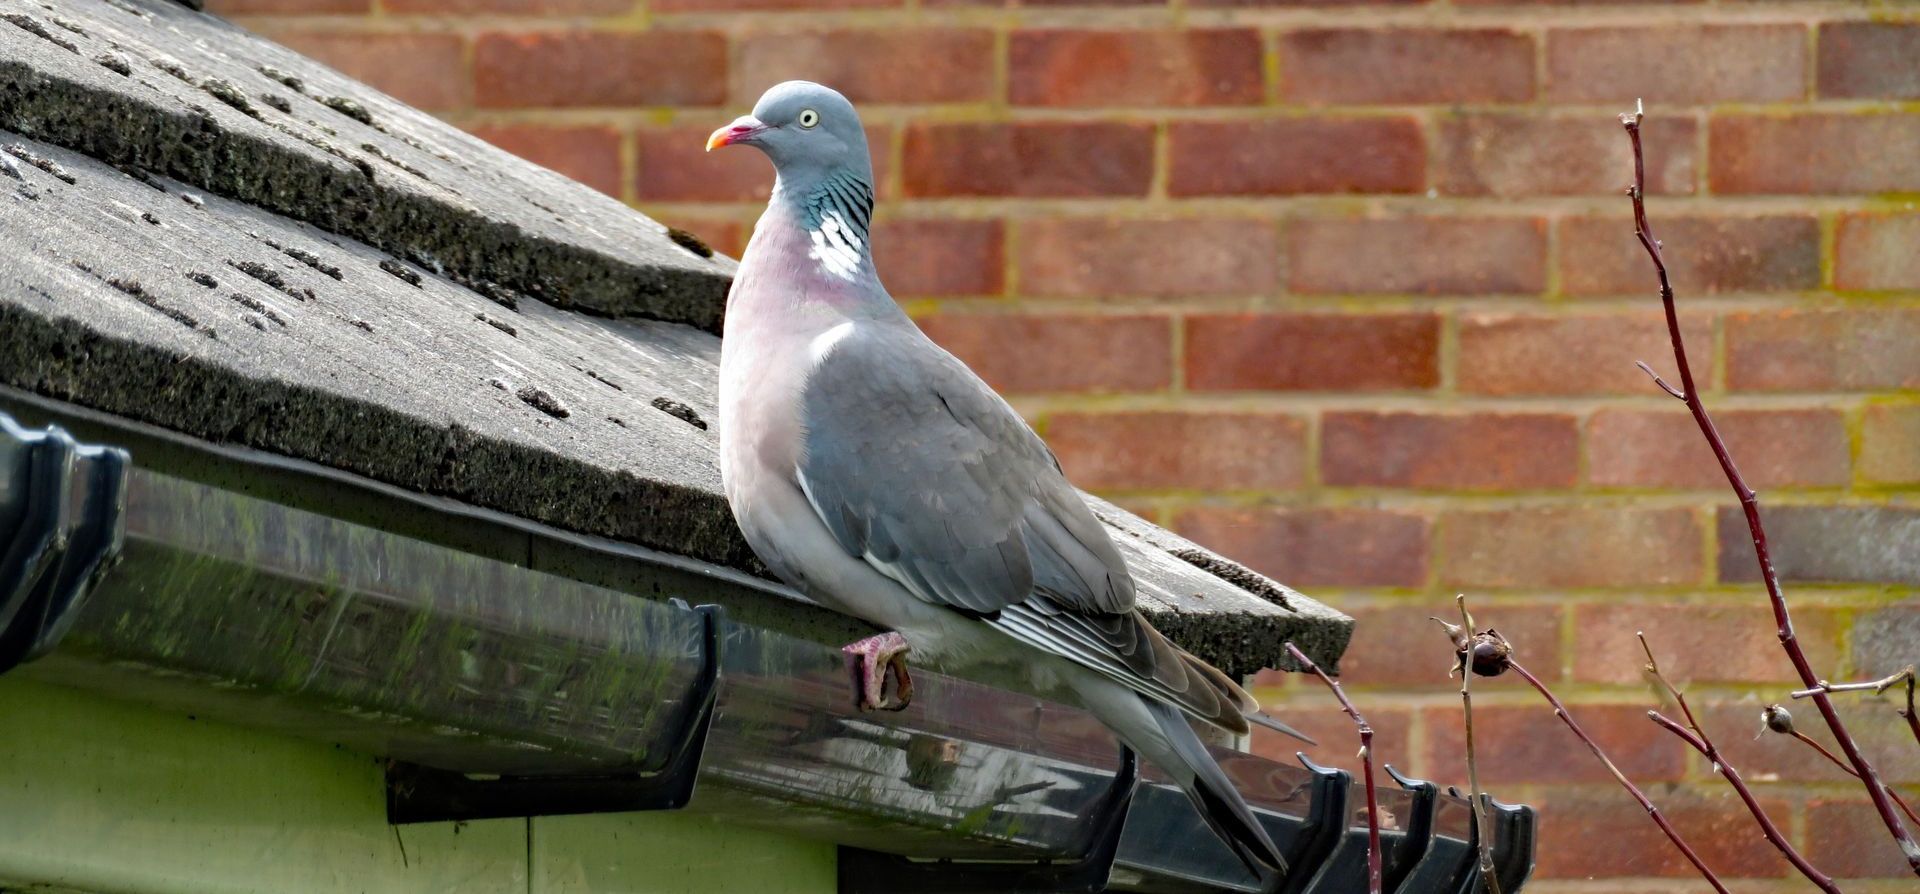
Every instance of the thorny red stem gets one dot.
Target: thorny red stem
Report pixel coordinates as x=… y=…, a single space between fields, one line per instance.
x=1366 y=765
x=1659 y=819
x=1751 y=506
x=1693 y=734
x=1810 y=743
x=1701 y=744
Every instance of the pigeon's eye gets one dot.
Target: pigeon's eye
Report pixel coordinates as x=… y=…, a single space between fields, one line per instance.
x=809 y=118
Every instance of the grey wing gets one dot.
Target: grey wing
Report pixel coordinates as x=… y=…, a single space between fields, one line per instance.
x=917 y=466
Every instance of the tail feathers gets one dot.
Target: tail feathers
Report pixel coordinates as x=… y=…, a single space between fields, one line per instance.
x=1219 y=802
x=1279 y=726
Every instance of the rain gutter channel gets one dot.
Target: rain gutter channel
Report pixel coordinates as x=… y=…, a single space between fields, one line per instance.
x=282 y=595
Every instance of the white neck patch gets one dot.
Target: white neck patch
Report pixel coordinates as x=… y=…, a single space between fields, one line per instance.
x=835 y=246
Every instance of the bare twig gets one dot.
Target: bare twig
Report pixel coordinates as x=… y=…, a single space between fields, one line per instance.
x=1366 y=765
x=1778 y=720
x=1483 y=827
x=1905 y=674
x=1689 y=393
x=1697 y=737
x=1659 y=819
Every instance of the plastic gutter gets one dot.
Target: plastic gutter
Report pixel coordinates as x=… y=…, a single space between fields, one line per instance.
x=494 y=686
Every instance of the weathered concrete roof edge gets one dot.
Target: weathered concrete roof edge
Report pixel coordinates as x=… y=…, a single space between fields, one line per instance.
x=317 y=182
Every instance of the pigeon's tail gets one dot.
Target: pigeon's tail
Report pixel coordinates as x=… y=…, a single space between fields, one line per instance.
x=1213 y=794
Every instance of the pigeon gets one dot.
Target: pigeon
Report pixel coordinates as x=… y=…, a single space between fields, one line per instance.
x=876 y=473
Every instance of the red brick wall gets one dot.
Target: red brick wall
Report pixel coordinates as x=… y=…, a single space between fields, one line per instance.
x=1346 y=290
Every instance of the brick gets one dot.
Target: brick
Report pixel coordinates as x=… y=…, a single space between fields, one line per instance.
x=1823 y=350
x=1821 y=544
x=1883 y=642
x=1852 y=841
x=676 y=167
x=1202 y=451
x=1876 y=252
x=1043 y=159
x=1699 y=644
x=726 y=236
x=1352 y=66
x=890 y=65
x=1400 y=645
x=1317 y=716
x=573 y=69
x=1098 y=257
x=1060 y=352
x=1510 y=155
x=1525 y=743
x=930 y=257
x=1418 y=255
x=1313 y=352
x=1481 y=451
x=420 y=69
x=1869 y=60
x=1604 y=833
x=1677 y=64
x=509 y=7
x=1881 y=734
x=1704 y=255
x=1200 y=67
x=1556 y=546
x=1283 y=3
x=1529 y=354
x=1774 y=448
x=589 y=153
x=1814 y=153
x=767 y=5
x=1296 y=156
x=288 y=7
x=1331 y=547
x=1890 y=444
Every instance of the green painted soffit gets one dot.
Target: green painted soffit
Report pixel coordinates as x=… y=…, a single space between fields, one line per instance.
x=111 y=798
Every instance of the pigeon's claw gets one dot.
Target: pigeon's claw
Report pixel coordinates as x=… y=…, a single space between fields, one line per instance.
x=871 y=660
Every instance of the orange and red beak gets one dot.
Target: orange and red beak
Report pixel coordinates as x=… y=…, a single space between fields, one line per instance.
x=742 y=130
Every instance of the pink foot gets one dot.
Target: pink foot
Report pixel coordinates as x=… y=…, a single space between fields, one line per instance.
x=870 y=660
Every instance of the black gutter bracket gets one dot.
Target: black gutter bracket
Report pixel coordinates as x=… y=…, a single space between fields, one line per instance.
x=1416 y=845
x=419 y=794
x=1513 y=842
x=872 y=872
x=62 y=523
x=1323 y=827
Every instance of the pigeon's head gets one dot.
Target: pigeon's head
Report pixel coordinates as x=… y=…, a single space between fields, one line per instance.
x=807 y=129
